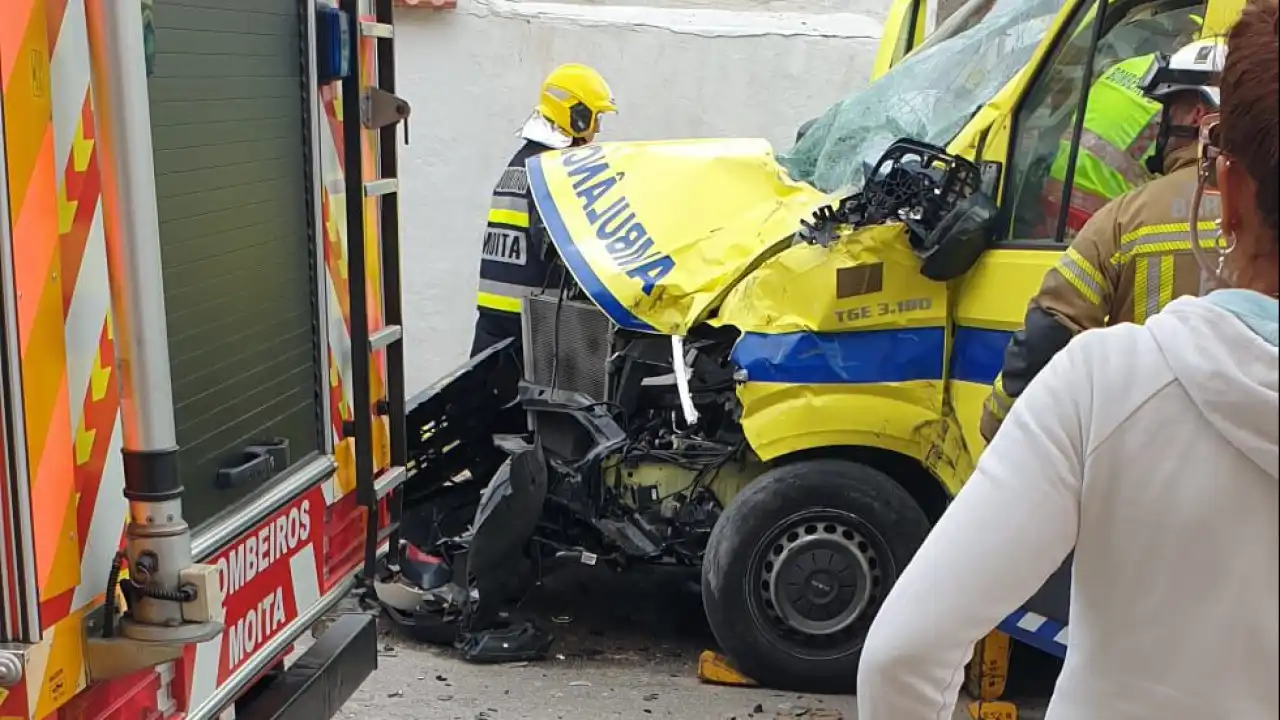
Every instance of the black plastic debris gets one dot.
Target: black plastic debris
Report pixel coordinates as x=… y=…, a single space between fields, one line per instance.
x=514 y=643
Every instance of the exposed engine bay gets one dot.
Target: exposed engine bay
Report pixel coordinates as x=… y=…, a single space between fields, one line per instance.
x=599 y=481
x=606 y=446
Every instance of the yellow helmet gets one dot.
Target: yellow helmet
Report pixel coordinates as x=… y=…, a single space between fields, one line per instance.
x=573 y=98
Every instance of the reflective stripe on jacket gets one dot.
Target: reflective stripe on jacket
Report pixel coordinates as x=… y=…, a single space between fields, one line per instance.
x=1129 y=261
x=1120 y=129
x=514 y=257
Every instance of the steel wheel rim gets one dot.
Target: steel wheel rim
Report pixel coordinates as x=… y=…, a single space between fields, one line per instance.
x=813 y=581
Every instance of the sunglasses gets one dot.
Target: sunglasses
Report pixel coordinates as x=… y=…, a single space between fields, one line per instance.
x=1210 y=149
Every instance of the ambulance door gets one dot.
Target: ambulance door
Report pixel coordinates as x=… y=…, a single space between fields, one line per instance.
x=992 y=299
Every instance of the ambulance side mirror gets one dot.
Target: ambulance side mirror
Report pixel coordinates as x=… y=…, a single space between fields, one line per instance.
x=956 y=243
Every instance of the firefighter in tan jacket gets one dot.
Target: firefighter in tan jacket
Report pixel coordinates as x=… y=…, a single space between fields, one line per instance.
x=1134 y=256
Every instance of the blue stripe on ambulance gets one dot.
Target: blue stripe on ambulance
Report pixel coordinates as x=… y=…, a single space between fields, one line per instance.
x=977 y=354
x=870 y=356
x=867 y=356
x=582 y=271
x=1037 y=631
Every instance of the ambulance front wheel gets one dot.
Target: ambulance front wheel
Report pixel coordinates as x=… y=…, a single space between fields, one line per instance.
x=799 y=563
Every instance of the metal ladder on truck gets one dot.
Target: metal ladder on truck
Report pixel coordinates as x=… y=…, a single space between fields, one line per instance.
x=375 y=108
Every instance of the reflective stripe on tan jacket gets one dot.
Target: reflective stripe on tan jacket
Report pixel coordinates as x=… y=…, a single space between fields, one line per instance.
x=1129 y=261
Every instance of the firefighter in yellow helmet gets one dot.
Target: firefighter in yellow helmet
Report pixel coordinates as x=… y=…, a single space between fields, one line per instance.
x=1134 y=255
x=516 y=257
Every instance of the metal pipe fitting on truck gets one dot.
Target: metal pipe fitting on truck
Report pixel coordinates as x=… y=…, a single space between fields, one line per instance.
x=171 y=600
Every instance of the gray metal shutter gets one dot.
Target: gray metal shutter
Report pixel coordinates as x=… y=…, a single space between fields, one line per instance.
x=228 y=127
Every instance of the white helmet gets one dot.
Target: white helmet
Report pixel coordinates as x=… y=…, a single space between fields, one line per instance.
x=1194 y=68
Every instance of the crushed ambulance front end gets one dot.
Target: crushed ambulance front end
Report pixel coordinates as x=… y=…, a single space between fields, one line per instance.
x=834 y=319
x=729 y=323
x=841 y=338
x=722 y=309
x=663 y=236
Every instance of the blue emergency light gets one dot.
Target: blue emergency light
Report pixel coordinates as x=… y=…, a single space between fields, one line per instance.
x=333 y=44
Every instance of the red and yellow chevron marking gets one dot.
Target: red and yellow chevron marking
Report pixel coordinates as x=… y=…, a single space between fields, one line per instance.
x=331 y=101
x=373 y=261
x=78 y=200
x=38 y=275
x=335 y=255
x=373 y=246
x=369 y=169
x=332 y=212
x=339 y=408
x=93 y=436
x=79 y=203
x=335 y=259
x=343 y=448
x=78 y=196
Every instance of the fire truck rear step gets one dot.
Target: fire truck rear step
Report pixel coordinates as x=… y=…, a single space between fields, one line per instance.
x=327 y=674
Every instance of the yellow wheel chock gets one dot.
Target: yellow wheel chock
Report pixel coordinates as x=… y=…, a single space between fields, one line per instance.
x=986 y=677
x=993 y=710
x=989 y=670
x=718 y=669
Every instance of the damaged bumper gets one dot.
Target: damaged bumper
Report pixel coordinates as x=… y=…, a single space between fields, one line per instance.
x=453 y=587
x=456 y=593
x=452 y=423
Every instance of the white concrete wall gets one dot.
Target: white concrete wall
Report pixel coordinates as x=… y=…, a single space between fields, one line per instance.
x=679 y=68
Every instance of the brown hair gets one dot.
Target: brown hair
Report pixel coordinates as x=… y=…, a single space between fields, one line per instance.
x=1251 y=103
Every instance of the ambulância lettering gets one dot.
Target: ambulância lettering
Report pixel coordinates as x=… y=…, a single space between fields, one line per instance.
x=625 y=239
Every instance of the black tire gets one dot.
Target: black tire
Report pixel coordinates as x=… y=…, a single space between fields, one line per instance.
x=840 y=533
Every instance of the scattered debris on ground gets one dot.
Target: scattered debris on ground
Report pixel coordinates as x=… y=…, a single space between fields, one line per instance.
x=631 y=652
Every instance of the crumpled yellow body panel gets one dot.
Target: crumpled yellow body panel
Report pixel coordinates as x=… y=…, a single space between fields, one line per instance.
x=838 y=288
x=657 y=232
x=846 y=346
x=783 y=418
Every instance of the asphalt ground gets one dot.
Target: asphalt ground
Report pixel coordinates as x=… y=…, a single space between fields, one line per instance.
x=626 y=648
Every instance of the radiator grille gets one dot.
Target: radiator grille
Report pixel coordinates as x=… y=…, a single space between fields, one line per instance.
x=584 y=343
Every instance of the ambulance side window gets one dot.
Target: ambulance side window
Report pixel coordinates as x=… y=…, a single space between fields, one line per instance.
x=1119 y=128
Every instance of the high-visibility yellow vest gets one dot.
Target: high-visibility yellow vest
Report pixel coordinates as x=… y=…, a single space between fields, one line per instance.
x=1120 y=129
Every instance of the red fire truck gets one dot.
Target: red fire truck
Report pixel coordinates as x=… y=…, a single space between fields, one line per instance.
x=201 y=367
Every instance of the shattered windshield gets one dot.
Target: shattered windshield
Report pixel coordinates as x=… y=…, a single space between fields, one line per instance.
x=929 y=96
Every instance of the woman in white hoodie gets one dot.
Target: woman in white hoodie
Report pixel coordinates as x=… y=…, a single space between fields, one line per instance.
x=1153 y=451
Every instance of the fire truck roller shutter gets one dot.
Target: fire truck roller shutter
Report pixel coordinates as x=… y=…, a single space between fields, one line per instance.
x=228 y=108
